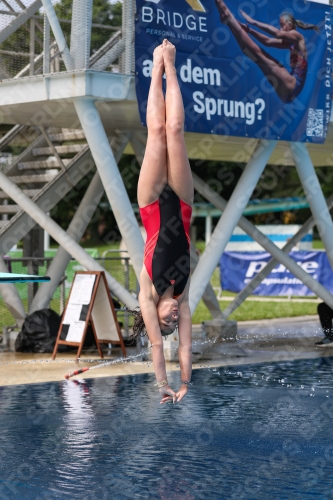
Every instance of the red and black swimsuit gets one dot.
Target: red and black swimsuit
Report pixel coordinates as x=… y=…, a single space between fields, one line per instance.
x=299 y=68
x=167 y=250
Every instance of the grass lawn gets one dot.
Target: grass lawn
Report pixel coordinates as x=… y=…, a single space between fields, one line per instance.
x=255 y=310
x=259 y=310
x=317 y=245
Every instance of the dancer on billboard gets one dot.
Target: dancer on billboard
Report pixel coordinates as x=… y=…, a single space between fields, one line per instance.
x=165 y=196
x=287 y=85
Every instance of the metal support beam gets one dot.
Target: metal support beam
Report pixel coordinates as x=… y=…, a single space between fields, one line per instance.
x=128 y=36
x=11 y=297
x=209 y=297
x=60 y=236
x=229 y=220
x=208 y=228
x=81 y=33
x=21 y=4
x=75 y=230
x=250 y=287
x=314 y=195
x=112 y=180
x=36 y=60
x=15 y=13
x=11 y=134
x=53 y=149
x=109 y=57
x=265 y=242
x=32 y=47
x=18 y=21
x=138 y=146
x=58 y=34
x=96 y=60
x=46 y=44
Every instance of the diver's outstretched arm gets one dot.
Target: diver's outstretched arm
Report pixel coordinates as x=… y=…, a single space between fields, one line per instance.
x=286 y=36
x=264 y=39
x=268 y=28
x=185 y=347
x=149 y=314
x=185 y=342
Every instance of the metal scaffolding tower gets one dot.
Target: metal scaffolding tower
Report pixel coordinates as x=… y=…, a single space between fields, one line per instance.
x=83 y=110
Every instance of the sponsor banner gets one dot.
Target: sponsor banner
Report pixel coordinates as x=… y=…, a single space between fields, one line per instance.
x=258 y=69
x=237 y=269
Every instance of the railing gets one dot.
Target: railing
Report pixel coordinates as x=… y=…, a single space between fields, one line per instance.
x=118 y=266
x=28 y=48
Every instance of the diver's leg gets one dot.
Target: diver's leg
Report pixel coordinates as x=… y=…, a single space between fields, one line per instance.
x=153 y=174
x=245 y=42
x=277 y=75
x=247 y=45
x=179 y=171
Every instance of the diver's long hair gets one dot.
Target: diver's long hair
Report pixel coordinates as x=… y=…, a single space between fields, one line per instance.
x=139 y=327
x=296 y=22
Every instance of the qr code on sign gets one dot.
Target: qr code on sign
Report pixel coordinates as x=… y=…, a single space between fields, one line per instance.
x=315 y=124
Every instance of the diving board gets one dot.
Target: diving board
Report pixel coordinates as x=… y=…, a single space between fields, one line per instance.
x=22 y=278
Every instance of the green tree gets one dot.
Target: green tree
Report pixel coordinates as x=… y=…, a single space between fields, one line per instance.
x=103 y=13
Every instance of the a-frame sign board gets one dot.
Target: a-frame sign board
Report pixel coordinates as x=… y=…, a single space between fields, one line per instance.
x=89 y=301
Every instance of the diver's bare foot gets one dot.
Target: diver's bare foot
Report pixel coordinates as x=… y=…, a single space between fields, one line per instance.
x=158 y=60
x=223 y=11
x=169 y=54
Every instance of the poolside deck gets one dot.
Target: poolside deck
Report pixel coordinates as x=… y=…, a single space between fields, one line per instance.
x=258 y=341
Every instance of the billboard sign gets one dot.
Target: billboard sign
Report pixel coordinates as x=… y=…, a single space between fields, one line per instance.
x=258 y=69
x=237 y=269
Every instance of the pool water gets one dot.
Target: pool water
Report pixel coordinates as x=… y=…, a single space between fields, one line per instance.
x=247 y=432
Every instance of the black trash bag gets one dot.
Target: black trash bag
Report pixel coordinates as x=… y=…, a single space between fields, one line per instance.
x=39 y=332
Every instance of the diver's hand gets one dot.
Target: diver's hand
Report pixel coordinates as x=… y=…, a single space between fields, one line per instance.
x=182 y=392
x=167 y=394
x=249 y=19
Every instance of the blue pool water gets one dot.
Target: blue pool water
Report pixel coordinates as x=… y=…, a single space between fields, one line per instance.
x=247 y=432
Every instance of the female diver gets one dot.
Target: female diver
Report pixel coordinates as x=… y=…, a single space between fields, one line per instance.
x=287 y=85
x=165 y=197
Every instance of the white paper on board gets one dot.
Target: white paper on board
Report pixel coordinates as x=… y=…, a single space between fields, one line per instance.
x=75 y=331
x=82 y=289
x=72 y=314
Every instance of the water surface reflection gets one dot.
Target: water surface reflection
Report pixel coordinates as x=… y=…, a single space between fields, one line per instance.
x=259 y=431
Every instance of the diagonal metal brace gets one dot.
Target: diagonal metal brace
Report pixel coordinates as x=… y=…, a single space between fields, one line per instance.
x=266 y=243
